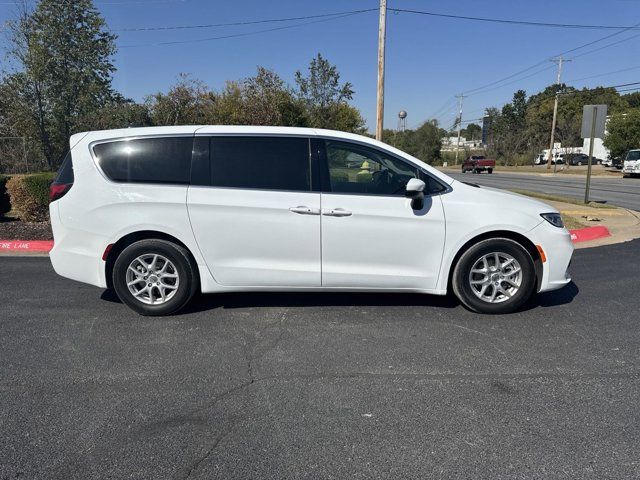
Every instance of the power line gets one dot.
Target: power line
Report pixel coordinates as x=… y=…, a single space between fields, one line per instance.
x=232 y=24
x=603 y=87
x=236 y=35
x=513 y=22
x=606 y=46
x=537 y=72
x=579 y=47
x=603 y=74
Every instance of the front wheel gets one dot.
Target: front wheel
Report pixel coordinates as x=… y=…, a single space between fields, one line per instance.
x=494 y=276
x=154 y=277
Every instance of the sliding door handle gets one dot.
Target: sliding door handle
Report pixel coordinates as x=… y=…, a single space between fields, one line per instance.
x=337 y=212
x=302 y=210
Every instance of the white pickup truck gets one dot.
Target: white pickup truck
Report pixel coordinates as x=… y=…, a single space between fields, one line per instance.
x=631 y=165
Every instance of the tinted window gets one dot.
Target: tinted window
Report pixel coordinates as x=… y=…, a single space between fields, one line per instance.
x=270 y=163
x=357 y=169
x=65 y=174
x=146 y=160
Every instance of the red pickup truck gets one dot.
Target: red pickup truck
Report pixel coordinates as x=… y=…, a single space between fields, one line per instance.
x=477 y=164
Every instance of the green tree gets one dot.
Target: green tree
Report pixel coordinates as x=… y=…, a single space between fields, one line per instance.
x=60 y=71
x=508 y=128
x=269 y=101
x=326 y=98
x=120 y=113
x=473 y=131
x=423 y=142
x=188 y=102
x=623 y=132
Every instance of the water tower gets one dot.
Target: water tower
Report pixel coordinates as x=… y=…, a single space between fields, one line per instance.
x=402 y=121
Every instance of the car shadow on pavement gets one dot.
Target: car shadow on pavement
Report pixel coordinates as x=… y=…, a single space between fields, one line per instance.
x=555 y=298
x=320 y=299
x=204 y=302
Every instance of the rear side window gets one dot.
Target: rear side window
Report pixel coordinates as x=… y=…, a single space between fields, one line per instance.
x=65 y=174
x=269 y=163
x=147 y=160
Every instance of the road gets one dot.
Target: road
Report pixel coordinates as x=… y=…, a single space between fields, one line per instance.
x=623 y=192
x=321 y=385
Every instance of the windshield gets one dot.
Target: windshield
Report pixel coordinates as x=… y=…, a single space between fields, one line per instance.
x=633 y=155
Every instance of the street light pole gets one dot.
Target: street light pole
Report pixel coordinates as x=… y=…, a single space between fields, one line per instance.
x=382 y=27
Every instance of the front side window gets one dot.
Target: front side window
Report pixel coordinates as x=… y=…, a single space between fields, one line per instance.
x=146 y=160
x=361 y=170
x=268 y=163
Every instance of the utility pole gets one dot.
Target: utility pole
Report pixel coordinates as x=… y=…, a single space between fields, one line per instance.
x=559 y=61
x=460 y=99
x=382 y=28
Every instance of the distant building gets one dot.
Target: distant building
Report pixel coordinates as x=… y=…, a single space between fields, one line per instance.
x=450 y=144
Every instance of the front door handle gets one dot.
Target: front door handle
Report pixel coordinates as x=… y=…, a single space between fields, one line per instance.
x=302 y=210
x=336 y=212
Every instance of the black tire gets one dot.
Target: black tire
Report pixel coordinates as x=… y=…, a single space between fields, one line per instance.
x=185 y=269
x=490 y=171
x=579 y=164
x=460 y=279
x=475 y=171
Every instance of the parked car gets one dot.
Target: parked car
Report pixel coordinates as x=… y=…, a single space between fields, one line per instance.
x=477 y=164
x=558 y=159
x=631 y=166
x=607 y=162
x=579 y=159
x=540 y=159
x=617 y=162
x=161 y=213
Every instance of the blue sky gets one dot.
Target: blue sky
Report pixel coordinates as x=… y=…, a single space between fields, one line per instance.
x=429 y=60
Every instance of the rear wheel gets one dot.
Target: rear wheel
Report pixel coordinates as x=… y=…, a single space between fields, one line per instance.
x=490 y=170
x=154 y=277
x=494 y=276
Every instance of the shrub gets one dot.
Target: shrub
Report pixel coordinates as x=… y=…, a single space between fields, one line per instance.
x=5 y=204
x=29 y=196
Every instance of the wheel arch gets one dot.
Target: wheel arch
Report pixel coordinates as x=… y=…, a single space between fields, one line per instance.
x=516 y=237
x=119 y=246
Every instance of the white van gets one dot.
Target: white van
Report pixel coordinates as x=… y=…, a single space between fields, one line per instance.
x=161 y=213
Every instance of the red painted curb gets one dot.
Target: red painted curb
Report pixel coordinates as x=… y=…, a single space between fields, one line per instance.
x=26 y=245
x=589 y=233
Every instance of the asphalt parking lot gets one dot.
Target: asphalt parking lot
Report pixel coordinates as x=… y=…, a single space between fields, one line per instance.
x=321 y=385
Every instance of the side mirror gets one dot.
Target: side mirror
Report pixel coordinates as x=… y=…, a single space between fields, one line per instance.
x=415 y=191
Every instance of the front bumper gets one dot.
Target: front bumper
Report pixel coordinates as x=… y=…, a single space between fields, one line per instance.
x=558 y=248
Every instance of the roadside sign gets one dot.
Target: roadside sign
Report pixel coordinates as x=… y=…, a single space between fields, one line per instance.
x=588 y=112
x=593 y=120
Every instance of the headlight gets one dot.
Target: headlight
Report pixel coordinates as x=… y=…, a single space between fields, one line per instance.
x=554 y=219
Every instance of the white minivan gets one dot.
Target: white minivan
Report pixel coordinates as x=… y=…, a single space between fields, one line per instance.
x=161 y=213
